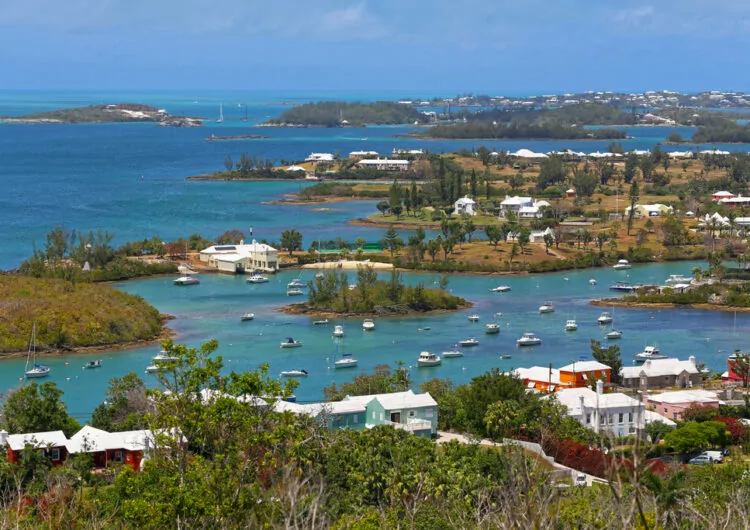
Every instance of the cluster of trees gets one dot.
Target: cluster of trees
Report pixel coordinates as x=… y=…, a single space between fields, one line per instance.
x=579 y=115
x=722 y=131
x=338 y=113
x=332 y=293
x=518 y=130
x=253 y=167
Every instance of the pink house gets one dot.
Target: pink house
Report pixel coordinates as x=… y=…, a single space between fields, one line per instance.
x=672 y=404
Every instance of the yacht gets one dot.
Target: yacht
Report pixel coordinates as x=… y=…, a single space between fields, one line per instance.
x=427 y=358
x=346 y=361
x=592 y=281
x=474 y=318
x=623 y=287
x=92 y=364
x=291 y=343
x=294 y=292
x=500 y=289
x=605 y=318
x=154 y=368
x=165 y=357
x=294 y=373
x=547 y=307
x=352 y=286
x=529 y=339
x=453 y=352
x=571 y=325
x=322 y=322
x=471 y=341
x=491 y=329
x=186 y=280
x=247 y=316
x=615 y=334
x=257 y=278
x=296 y=284
x=649 y=353
x=37 y=370
x=338 y=331
x=621 y=265
x=674 y=279
x=368 y=324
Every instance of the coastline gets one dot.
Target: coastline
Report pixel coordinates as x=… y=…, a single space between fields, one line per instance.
x=301 y=309
x=326 y=199
x=605 y=302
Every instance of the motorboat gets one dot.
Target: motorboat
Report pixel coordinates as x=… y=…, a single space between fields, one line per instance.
x=500 y=289
x=154 y=368
x=319 y=275
x=92 y=364
x=505 y=357
x=294 y=292
x=352 y=286
x=547 y=307
x=605 y=318
x=529 y=339
x=294 y=373
x=296 y=284
x=346 y=361
x=453 y=352
x=491 y=329
x=650 y=353
x=165 y=357
x=320 y=322
x=186 y=280
x=623 y=287
x=368 y=324
x=592 y=281
x=37 y=370
x=338 y=331
x=674 y=279
x=571 y=325
x=469 y=342
x=622 y=265
x=291 y=343
x=474 y=318
x=257 y=278
x=247 y=316
x=498 y=315
x=614 y=335
x=427 y=358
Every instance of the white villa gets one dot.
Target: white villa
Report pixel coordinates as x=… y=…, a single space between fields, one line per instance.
x=662 y=373
x=650 y=210
x=523 y=207
x=615 y=413
x=362 y=154
x=242 y=258
x=464 y=205
x=537 y=236
x=316 y=158
x=385 y=164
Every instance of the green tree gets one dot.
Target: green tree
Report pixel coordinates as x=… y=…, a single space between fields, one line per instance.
x=516 y=181
x=741 y=367
x=549 y=240
x=494 y=234
x=469 y=227
x=392 y=242
x=484 y=155
x=523 y=238
x=694 y=436
x=552 y=171
x=383 y=207
x=609 y=356
x=473 y=184
x=434 y=246
x=633 y=197
x=125 y=406
x=228 y=163
x=631 y=167
x=584 y=183
x=291 y=240
x=646 y=164
x=37 y=408
x=360 y=242
x=394 y=195
x=514 y=249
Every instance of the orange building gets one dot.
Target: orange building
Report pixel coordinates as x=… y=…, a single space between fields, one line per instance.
x=575 y=375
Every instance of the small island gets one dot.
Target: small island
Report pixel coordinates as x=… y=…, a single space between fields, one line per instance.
x=111 y=113
x=331 y=296
x=713 y=296
x=213 y=138
x=345 y=114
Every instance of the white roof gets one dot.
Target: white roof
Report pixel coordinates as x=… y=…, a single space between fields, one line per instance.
x=37 y=439
x=382 y=161
x=650 y=416
x=714 y=152
x=539 y=204
x=659 y=367
x=738 y=199
x=465 y=200
x=571 y=398
x=320 y=156
x=91 y=440
x=396 y=400
x=526 y=153
x=529 y=209
x=685 y=396
x=295 y=168
x=681 y=154
x=231 y=257
x=571 y=190
x=539 y=373
x=363 y=153
x=651 y=207
x=722 y=194
x=520 y=201
x=243 y=249
x=584 y=366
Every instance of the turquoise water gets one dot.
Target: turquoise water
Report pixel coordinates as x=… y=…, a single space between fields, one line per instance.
x=129 y=179
x=212 y=310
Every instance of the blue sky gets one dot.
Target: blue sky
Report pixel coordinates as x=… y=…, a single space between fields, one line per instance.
x=497 y=46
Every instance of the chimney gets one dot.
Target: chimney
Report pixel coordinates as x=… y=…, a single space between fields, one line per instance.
x=242 y=242
x=647 y=364
x=692 y=359
x=600 y=387
x=3 y=437
x=583 y=407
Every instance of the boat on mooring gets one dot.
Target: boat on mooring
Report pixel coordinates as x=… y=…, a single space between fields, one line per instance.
x=649 y=353
x=186 y=280
x=37 y=370
x=571 y=325
x=427 y=358
x=294 y=373
x=491 y=329
x=92 y=364
x=622 y=265
x=291 y=343
x=529 y=339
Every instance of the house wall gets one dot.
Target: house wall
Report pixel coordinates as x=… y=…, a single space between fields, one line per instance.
x=351 y=420
x=683 y=380
x=576 y=379
x=674 y=411
x=620 y=421
x=14 y=456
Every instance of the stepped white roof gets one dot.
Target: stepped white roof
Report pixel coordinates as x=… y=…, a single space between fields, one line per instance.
x=527 y=153
x=571 y=398
x=584 y=366
x=660 y=367
x=685 y=396
x=37 y=440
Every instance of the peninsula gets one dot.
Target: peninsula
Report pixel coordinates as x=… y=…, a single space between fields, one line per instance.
x=111 y=113
x=345 y=114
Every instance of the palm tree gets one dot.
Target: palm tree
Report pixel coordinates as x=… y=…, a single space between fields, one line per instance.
x=697 y=272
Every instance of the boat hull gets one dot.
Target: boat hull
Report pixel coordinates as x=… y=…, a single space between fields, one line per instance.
x=427 y=364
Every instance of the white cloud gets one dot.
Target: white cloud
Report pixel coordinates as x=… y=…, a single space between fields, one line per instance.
x=634 y=17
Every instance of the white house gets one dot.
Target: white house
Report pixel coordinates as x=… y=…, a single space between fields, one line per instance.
x=316 y=158
x=385 y=164
x=514 y=204
x=534 y=211
x=537 y=236
x=464 y=205
x=615 y=413
x=527 y=153
x=362 y=154
x=242 y=258
x=662 y=373
x=650 y=210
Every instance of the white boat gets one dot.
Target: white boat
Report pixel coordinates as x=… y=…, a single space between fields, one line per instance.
x=338 y=331
x=37 y=370
x=164 y=357
x=453 y=352
x=291 y=343
x=474 y=318
x=247 y=316
x=621 y=265
x=491 y=329
x=674 y=279
x=346 y=361
x=614 y=335
x=319 y=275
x=296 y=284
x=505 y=357
x=294 y=292
x=471 y=341
x=571 y=325
x=186 y=280
x=592 y=281
x=547 y=307
x=320 y=322
x=352 y=286
x=221 y=114
x=650 y=352
x=92 y=364
x=500 y=289
x=529 y=339
x=605 y=318
x=294 y=373
x=427 y=358
x=623 y=287
x=257 y=278
x=154 y=368
x=368 y=324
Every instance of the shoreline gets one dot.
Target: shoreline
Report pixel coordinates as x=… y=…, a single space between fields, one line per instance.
x=327 y=199
x=605 y=302
x=301 y=309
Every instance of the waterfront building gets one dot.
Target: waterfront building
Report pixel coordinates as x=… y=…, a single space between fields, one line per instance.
x=385 y=164
x=662 y=373
x=242 y=258
x=317 y=158
x=672 y=405
x=362 y=154
x=464 y=205
x=615 y=413
x=575 y=375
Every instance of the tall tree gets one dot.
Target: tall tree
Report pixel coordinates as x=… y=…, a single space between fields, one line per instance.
x=494 y=234
x=37 y=408
x=609 y=356
x=473 y=184
x=633 y=197
x=392 y=242
x=291 y=240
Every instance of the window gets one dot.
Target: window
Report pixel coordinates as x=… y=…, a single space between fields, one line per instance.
x=621 y=417
x=373 y=414
x=118 y=457
x=412 y=413
x=355 y=419
x=588 y=418
x=428 y=413
x=665 y=410
x=54 y=453
x=630 y=417
x=381 y=416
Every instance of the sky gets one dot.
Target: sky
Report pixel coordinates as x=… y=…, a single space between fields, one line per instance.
x=487 y=46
